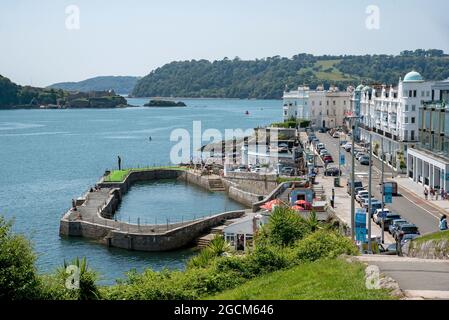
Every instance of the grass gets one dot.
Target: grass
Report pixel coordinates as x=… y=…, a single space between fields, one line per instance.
x=321 y=280
x=334 y=75
x=280 y=180
x=440 y=235
x=119 y=175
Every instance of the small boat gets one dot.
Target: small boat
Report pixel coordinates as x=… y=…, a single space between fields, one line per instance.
x=247 y=112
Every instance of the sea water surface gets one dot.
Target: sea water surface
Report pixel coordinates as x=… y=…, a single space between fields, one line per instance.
x=48 y=157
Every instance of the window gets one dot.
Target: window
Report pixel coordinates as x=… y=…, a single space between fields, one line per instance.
x=344 y=102
x=422 y=93
x=405 y=135
x=414 y=93
x=285 y=112
x=427 y=93
x=313 y=103
x=406 y=120
x=413 y=107
x=413 y=119
x=410 y=93
x=327 y=102
x=406 y=107
x=333 y=102
x=321 y=103
x=412 y=135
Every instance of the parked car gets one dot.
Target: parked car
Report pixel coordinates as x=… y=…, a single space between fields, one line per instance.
x=323 y=152
x=404 y=229
x=328 y=158
x=408 y=237
x=378 y=212
x=375 y=204
x=364 y=199
x=357 y=184
x=358 y=189
x=364 y=160
x=332 y=172
x=396 y=223
x=358 y=195
x=390 y=249
x=359 y=155
x=388 y=220
x=320 y=146
x=343 y=142
x=336 y=135
x=287 y=171
x=347 y=147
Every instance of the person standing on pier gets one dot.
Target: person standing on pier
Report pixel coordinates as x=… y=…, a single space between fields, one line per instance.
x=119 y=162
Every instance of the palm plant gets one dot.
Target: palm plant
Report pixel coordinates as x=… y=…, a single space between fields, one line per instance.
x=87 y=289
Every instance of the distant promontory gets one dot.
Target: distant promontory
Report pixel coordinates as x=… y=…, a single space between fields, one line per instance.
x=165 y=103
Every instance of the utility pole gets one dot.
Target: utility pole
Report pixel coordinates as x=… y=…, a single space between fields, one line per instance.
x=339 y=157
x=382 y=188
x=353 y=180
x=369 y=194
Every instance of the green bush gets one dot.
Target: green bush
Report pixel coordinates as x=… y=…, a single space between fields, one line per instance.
x=285 y=227
x=323 y=244
x=172 y=285
x=18 y=279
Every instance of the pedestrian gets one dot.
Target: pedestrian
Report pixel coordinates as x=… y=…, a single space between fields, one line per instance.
x=119 y=160
x=443 y=223
x=432 y=193
x=442 y=193
x=426 y=193
x=73 y=204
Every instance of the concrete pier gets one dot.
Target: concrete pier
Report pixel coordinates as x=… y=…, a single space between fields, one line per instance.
x=92 y=218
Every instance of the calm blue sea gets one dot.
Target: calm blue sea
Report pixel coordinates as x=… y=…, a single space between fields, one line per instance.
x=48 y=157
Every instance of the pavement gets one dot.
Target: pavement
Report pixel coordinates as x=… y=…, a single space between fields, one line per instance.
x=417 y=278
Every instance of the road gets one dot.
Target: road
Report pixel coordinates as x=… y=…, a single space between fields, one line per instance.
x=417 y=277
x=407 y=204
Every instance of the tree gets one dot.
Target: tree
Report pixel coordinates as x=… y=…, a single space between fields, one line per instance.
x=18 y=279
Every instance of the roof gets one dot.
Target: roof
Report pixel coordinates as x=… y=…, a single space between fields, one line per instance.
x=413 y=76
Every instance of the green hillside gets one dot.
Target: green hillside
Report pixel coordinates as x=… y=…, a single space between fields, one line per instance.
x=320 y=280
x=119 y=84
x=267 y=78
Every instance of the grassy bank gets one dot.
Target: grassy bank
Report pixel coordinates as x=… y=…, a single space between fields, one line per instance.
x=320 y=280
x=441 y=235
x=119 y=175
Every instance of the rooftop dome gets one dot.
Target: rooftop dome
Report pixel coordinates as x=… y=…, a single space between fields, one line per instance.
x=366 y=88
x=413 y=76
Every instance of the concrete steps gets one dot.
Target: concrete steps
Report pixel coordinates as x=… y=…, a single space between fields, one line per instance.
x=216 y=185
x=204 y=240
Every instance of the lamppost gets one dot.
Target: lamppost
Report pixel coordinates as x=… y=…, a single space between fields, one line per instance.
x=369 y=193
x=353 y=126
x=382 y=188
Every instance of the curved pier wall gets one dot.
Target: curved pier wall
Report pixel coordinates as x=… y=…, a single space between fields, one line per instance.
x=170 y=240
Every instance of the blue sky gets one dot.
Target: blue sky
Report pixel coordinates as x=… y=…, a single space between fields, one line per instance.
x=134 y=37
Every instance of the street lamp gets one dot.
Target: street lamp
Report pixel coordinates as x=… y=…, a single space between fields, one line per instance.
x=353 y=126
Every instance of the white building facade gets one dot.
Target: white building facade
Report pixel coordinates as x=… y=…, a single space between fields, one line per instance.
x=428 y=161
x=324 y=108
x=390 y=115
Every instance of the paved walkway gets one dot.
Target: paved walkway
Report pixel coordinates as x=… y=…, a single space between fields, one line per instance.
x=418 y=278
x=342 y=205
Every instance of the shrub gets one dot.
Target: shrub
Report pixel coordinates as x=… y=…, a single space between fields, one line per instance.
x=18 y=279
x=217 y=247
x=323 y=244
x=285 y=227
